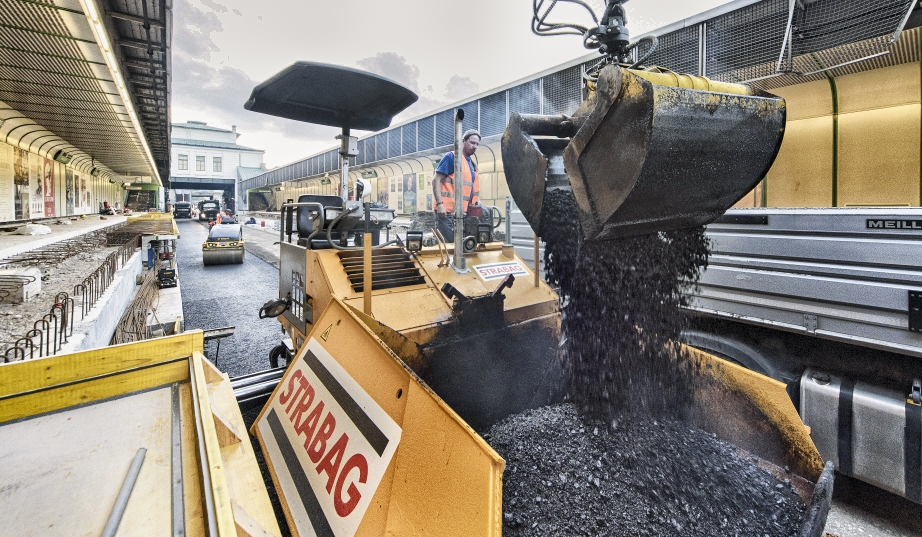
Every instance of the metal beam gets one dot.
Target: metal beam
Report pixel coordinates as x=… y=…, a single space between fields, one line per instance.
x=138 y=44
x=154 y=23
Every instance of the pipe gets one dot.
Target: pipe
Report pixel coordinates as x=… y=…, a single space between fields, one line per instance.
x=344 y=165
x=122 y=500
x=537 y=277
x=508 y=222
x=459 y=261
x=366 y=262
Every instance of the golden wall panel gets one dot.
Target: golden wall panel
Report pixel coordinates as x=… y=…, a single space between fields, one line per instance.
x=812 y=99
x=879 y=88
x=879 y=157
x=802 y=173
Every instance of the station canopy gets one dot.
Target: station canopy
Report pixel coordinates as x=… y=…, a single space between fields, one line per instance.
x=88 y=82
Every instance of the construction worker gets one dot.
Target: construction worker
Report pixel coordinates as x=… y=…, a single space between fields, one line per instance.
x=443 y=185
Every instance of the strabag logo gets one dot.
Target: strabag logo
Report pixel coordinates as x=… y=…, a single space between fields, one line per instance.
x=329 y=443
x=894 y=224
x=495 y=271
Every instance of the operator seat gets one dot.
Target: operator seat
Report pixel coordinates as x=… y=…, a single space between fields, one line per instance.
x=305 y=224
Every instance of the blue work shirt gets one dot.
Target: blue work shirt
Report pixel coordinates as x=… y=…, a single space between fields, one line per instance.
x=447 y=165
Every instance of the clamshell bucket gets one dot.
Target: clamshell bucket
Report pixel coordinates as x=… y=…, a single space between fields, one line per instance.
x=648 y=151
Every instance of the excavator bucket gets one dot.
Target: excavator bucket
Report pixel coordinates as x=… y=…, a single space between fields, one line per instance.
x=646 y=151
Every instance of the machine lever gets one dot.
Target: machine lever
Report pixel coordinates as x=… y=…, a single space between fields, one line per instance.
x=507 y=282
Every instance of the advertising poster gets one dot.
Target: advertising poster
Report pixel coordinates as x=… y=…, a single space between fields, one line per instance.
x=69 y=190
x=48 y=177
x=84 y=192
x=382 y=191
x=21 y=206
x=77 y=201
x=35 y=184
x=7 y=189
x=422 y=181
x=409 y=193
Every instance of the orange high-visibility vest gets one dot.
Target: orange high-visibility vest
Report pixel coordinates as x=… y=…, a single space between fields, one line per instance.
x=470 y=192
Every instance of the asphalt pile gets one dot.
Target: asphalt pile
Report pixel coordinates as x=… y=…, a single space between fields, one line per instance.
x=567 y=474
x=617 y=459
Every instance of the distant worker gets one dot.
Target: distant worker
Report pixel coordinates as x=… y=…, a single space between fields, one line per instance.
x=443 y=185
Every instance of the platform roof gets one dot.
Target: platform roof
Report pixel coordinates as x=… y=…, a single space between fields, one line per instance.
x=90 y=78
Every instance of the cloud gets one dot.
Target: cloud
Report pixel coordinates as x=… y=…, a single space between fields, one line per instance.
x=215 y=6
x=460 y=87
x=219 y=92
x=206 y=92
x=192 y=33
x=390 y=65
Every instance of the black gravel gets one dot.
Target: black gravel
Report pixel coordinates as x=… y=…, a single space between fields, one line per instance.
x=622 y=313
x=618 y=459
x=567 y=474
x=228 y=295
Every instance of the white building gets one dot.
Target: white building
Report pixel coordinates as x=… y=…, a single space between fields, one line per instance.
x=206 y=158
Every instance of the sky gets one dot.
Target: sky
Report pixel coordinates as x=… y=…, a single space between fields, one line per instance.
x=444 y=50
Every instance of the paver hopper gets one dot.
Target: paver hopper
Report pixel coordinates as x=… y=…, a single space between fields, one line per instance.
x=647 y=150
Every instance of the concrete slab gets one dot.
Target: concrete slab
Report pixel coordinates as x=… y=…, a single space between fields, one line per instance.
x=11 y=245
x=19 y=285
x=96 y=328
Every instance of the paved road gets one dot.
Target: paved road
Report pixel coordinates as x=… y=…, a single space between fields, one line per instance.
x=228 y=295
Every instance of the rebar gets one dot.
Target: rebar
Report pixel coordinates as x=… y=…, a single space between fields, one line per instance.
x=54 y=328
x=133 y=325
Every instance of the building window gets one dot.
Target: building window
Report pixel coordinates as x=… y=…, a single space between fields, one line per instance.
x=217 y=164
x=183 y=162
x=199 y=164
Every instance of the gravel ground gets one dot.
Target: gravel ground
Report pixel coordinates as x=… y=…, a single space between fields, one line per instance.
x=17 y=319
x=228 y=295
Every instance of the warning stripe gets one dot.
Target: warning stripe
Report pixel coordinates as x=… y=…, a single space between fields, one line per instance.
x=311 y=504
x=365 y=425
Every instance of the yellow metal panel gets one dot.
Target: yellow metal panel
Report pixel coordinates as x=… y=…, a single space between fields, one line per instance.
x=802 y=173
x=447 y=480
x=879 y=157
x=403 y=310
x=753 y=412
x=879 y=88
x=245 y=483
x=443 y=479
x=804 y=101
x=47 y=400
x=191 y=471
x=32 y=374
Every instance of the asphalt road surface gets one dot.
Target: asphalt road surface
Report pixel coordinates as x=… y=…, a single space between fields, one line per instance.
x=228 y=295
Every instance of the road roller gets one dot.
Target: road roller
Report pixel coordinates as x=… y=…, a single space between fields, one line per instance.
x=224 y=245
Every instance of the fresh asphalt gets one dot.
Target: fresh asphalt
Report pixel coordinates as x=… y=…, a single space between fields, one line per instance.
x=228 y=295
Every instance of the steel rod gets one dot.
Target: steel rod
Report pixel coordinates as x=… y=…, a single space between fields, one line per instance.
x=122 y=500
x=459 y=263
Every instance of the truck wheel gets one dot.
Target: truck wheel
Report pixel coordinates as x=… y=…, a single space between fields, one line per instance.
x=733 y=351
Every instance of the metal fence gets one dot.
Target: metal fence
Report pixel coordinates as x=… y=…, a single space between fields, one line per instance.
x=768 y=43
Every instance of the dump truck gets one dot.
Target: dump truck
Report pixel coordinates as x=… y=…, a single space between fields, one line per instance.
x=828 y=301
